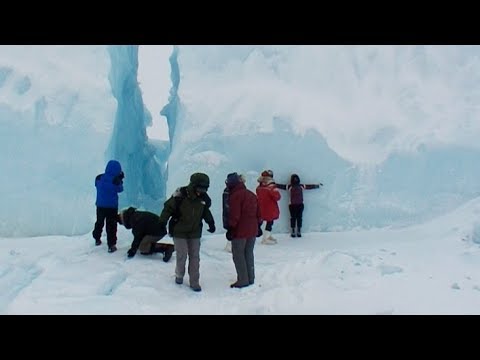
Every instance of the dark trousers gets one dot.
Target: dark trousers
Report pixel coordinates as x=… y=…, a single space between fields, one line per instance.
x=108 y=216
x=243 y=258
x=269 y=226
x=296 y=212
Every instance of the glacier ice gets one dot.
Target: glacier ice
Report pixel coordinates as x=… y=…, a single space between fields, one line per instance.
x=391 y=131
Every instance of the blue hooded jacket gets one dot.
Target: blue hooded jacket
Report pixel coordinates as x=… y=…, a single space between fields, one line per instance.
x=109 y=185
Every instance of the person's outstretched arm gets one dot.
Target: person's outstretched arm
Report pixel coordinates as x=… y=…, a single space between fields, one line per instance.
x=312 y=186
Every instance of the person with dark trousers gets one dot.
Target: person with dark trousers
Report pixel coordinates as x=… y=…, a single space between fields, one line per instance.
x=296 y=206
x=225 y=197
x=184 y=212
x=147 y=232
x=243 y=225
x=108 y=185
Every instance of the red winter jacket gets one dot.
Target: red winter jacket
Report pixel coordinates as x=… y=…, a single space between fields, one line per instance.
x=268 y=196
x=243 y=213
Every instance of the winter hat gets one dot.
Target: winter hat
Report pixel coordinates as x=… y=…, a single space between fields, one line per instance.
x=200 y=182
x=266 y=177
x=232 y=179
x=123 y=217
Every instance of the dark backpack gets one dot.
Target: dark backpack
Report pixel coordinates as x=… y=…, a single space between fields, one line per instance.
x=226 y=208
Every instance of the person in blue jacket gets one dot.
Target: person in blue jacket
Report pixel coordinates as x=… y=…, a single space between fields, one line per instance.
x=109 y=185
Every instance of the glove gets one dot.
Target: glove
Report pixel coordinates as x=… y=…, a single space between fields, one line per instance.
x=211 y=228
x=131 y=253
x=229 y=235
x=259 y=232
x=117 y=180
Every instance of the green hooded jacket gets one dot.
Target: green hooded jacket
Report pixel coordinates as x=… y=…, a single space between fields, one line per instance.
x=193 y=209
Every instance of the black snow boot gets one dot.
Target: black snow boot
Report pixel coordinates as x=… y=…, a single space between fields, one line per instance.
x=167 y=255
x=238 y=285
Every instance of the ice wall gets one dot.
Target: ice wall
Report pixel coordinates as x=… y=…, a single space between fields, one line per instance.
x=391 y=131
x=144 y=172
x=56 y=118
x=64 y=112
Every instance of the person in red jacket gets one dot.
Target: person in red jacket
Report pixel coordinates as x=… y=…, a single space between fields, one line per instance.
x=296 y=206
x=243 y=219
x=225 y=196
x=268 y=197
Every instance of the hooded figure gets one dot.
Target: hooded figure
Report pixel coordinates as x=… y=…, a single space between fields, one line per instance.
x=268 y=197
x=147 y=231
x=242 y=222
x=188 y=207
x=108 y=185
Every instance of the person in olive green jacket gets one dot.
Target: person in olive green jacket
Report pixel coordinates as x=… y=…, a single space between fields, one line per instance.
x=184 y=212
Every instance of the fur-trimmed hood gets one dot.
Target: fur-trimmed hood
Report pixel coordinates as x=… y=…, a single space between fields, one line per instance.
x=266 y=180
